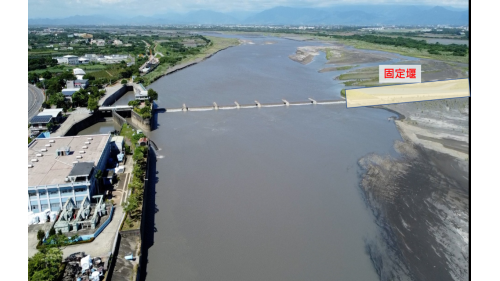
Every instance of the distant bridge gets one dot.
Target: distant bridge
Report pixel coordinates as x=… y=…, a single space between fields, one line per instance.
x=257 y=104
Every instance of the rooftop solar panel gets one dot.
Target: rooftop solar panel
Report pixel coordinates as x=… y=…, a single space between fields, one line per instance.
x=41 y=119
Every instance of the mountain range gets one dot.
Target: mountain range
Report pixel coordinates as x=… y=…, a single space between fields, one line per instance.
x=338 y=15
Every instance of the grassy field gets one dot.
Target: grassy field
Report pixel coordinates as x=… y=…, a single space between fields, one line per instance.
x=112 y=73
x=128 y=132
x=218 y=44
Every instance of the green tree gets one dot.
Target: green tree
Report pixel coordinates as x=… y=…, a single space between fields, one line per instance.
x=152 y=94
x=92 y=104
x=80 y=98
x=54 y=85
x=136 y=137
x=134 y=103
x=127 y=148
x=32 y=78
x=136 y=184
x=124 y=81
x=126 y=73
x=66 y=75
x=45 y=265
x=40 y=234
x=58 y=99
x=138 y=155
x=145 y=112
x=47 y=75
x=131 y=204
x=90 y=77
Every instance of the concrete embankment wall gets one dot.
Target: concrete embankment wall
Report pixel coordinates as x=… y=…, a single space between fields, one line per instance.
x=118 y=118
x=180 y=67
x=117 y=95
x=83 y=124
x=141 y=123
x=148 y=211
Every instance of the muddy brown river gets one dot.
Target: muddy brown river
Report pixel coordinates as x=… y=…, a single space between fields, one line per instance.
x=262 y=194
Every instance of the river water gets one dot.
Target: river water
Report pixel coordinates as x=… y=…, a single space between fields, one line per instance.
x=262 y=194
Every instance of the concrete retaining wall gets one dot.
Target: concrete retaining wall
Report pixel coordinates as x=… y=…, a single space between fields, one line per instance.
x=118 y=118
x=116 y=95
x=84 y=124
x=141 y=123
x=145 y=244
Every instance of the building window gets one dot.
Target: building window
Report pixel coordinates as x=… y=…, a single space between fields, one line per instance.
x=34 y=207
x=66 y=190
x=53 y=192
x=32 y=194
x=80 y=189
x=42 y=192
x=45 y=206
x=55 y=206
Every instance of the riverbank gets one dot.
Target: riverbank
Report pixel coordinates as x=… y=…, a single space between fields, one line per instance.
x=218 y=45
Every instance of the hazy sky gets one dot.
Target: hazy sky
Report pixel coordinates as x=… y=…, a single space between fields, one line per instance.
x=65 y=8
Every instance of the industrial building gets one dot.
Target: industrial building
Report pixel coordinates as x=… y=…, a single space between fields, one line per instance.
x=68 y=59
x=65 y=167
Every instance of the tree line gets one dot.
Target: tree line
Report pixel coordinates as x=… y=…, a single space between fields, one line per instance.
x=35 y=63
x=454 y=49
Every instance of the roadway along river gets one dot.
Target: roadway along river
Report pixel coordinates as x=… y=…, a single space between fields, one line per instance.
x=262 y=194
x=35 y=100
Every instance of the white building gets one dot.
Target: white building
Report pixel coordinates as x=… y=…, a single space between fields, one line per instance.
x=68 y=59
x=140 y=92
x=83 y=60
x=79 y=73
x=64 y=167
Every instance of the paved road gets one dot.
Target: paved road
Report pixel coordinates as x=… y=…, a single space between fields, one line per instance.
x=35 y=100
